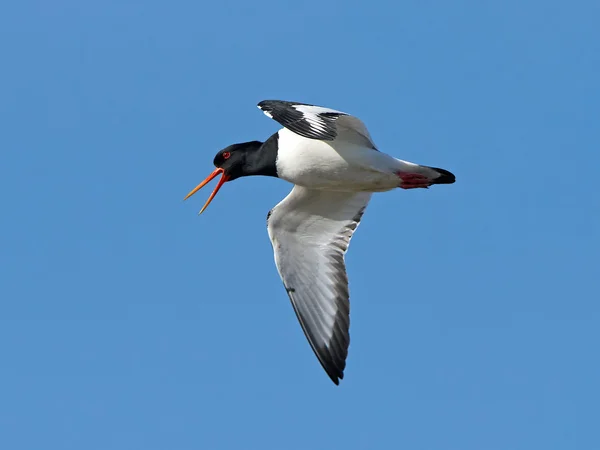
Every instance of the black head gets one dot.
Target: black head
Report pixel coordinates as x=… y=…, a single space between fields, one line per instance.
x=239 y=160
x=236 y=159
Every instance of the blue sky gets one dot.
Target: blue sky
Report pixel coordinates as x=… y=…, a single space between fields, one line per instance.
x=127 y=322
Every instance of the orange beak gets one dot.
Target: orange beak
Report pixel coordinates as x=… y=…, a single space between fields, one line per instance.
x=224 y=178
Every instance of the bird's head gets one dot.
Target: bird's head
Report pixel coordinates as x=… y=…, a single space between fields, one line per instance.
x=232 y=162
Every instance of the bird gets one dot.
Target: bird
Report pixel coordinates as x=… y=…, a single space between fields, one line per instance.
x=335 y=167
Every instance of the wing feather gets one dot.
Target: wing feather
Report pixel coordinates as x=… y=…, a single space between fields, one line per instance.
x=317 y=122
x=310 y=231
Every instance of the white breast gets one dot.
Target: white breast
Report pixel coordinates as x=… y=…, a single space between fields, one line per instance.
x=334 y=165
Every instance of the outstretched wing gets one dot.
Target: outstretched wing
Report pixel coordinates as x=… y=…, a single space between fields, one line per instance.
x=317 y=122
x=310 y=231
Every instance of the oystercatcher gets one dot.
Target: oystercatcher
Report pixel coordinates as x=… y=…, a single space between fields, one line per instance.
x=335 y=166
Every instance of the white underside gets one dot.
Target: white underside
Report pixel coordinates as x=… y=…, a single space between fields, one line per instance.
x=339 y=165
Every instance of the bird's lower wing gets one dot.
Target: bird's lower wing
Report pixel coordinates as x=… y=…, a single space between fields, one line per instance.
x=310 y=231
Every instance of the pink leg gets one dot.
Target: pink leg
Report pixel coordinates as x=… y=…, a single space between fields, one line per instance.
x=413 y=180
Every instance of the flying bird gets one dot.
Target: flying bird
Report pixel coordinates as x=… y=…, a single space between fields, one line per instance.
x=334 y=165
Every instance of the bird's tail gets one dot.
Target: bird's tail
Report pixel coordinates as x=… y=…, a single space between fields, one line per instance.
x=435 y=175
x=441 y=176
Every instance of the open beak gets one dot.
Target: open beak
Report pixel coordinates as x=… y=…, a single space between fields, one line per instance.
x=224 y=178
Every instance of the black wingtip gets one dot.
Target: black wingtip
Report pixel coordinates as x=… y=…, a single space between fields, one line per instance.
x=334 y=374
x=445 y=176
x=263 y=104
x=335 y=378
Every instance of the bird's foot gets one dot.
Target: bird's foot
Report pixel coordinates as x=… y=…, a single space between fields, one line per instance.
x=413 y=180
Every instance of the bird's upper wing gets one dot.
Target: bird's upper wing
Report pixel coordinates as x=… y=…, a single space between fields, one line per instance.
x=316 y=122
x=310 y=231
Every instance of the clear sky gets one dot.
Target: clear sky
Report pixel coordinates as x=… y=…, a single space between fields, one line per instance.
x=128 y=322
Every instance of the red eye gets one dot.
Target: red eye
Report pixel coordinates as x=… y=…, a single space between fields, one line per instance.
x=226 y=155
